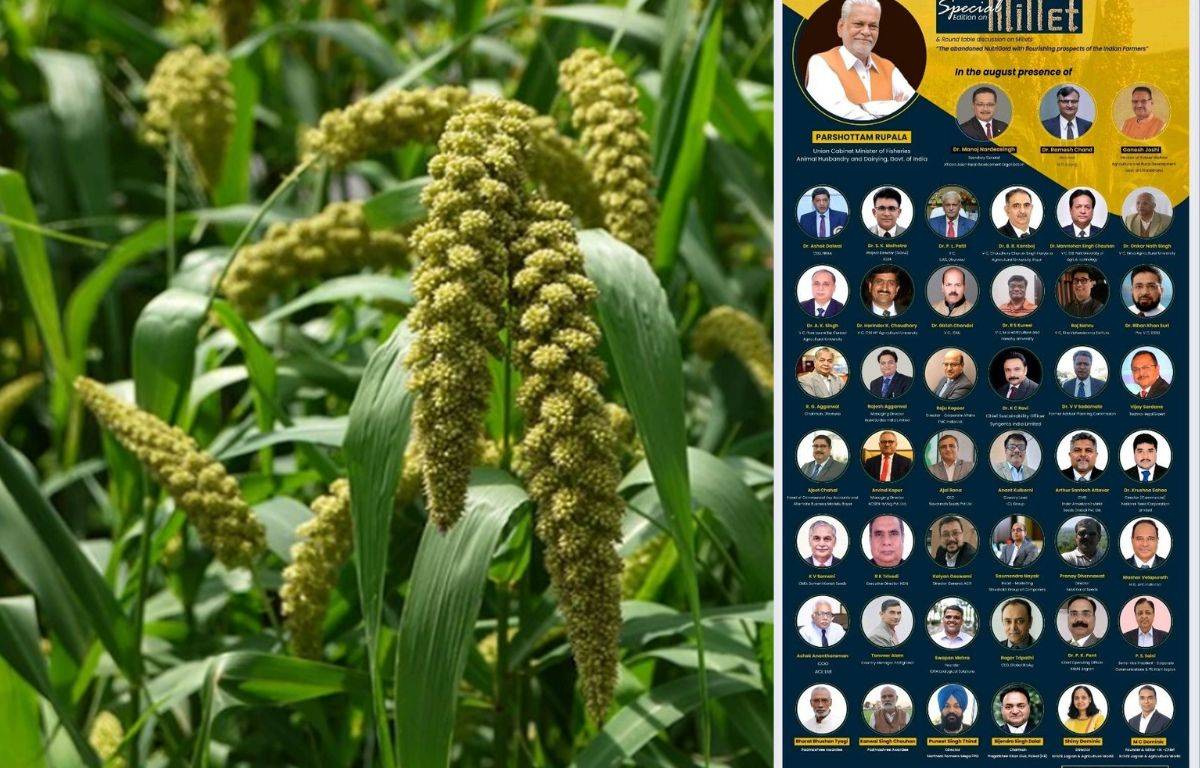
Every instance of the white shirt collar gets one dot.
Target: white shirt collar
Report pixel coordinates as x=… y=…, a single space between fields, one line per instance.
x=1062 y=125
x=1018 y=231
x=1139 y=561
x=1078 y=476
x=826 y=561
x=851 y=61
x=1018 y=728
x=878 y=310
x=821 y=306
x=1085 y=231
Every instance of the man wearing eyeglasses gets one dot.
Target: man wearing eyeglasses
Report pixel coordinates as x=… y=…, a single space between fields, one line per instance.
x=822 y=631
x=1015 y=466
x=1082 y=303
x=886 y=209
x=1067 y=124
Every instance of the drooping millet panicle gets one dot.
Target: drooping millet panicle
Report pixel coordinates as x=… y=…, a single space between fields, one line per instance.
x=625 y=428
x=197 y=482
x=336 y=241
x=190 y=94
x=568 y=455
x=105 y=737
x=604 y=109
x=556 y=163
x=475 y=205
x=726 y=329
x=326 y=541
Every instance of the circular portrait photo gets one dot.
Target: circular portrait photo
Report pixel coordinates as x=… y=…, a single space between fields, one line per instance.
x=1082 y=290
x=860 y=61
x=1148 y=709
x=1017 y=291
x=1015 y=455
x=821 y=708
x=952 y=622
x=950 y=455
x=887 y=212
x=1082 y=372
x=950 y=373
x=822 y=212
x=887 y=291
x=1147 y=372
x=1015 y=373
x=952 y=541
x=1067 y=111
x=983 y=111
x=1145 y=621
x=1145 y=543
x=952 y=212
x=1147 y=212
x=822 y=541
x=822 y=291
x=1141 y=111
x=887 y=456
x=1082 y=708
x=887 y=621
x=1147 y=290
x=1017 y=541
x=822 y=621
x=822 y=372
x=952 y=291
x=1017 y=709
x=1017 y=623
x=1082 y=621
x=1017 y=212
x=1082 y=456
x=1082 y=213
x=952 y=709
x=1082 y=541
x=822 y=456
x=1145 y=456
x=887 y=709
x=886 y=541
x=887 y=372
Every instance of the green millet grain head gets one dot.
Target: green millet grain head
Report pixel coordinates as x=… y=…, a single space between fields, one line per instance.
x=557 y=165
x=638 y=565
x=726 y=329
x=335 y=242
x=105 y=737
x=197 y=482
x=325 y=545
x=604 y=109
x=190 y=93
x=569 y=454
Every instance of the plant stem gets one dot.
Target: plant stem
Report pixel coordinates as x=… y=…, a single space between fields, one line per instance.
x=172 y=180
x=503 y=724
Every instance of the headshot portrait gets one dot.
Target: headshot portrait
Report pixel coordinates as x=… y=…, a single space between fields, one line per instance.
x=821 y=708
x=952 y=291
x=1082 y=212
x=822 y=372
x=1015 y=373
x=1147 y=372
x=1082 y=290
x=822 y=456
x=952 y=622
x=1082 y=621
x=1082 y=372
x=1067 y=112
x=1141 y=111
x=1017 y=709
x=822 y=621
x=887 y=373
x=887 y=212
x=983 y=111
x=1017 y=541
x=1148 y=709
x=1082 y=708
x=1017 y=212
x=887 y=291
x=887 y=621
x=950 y=455
x=1145 y=456
x=822 y=212
x=1017 y=291
x=887 y=541
x=1145 y=621
x=887 y=456
x=822 y=291
x=822 y=541
x=1145 y=543
x=1015 y=455
x=1147 y=290
x=1082 y=456
x=1147 y=212
x=1082 y=541
x=952 y=541
x=862 y=60
x=952 y=709
x=950 y=373
x=1017 y=623
x=887 y=709
x=952 y=212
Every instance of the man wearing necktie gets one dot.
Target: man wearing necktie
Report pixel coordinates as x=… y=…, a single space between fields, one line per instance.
x=822 y=222
x=1067 y=124
x=1081 y=206
x=950 y=223
x=1082 y=457
x=891 y=383
x=983 y=125
x=823 y=467
x=822 y=304
x=822 y=631
x=1082 y=384
x=889 y=296
x=888 y=466
x=1146 y=468
x=1146 y=375
x=955 y=384
x=1016 y=375
x=1018 y=208
x=822 y=381
x=886 y=208
x=1143 y=539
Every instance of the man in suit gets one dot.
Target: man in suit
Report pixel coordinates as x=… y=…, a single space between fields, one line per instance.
x=822 y=540
x=888 y=294
x=1016 y=711
x=1081 y=458
x=890 y=384
x=1067 y=124
x=1018 y=207
x=950 y=223
x=821 y=381
x=1146 y=375
x=949 y=468
x=955 y=385
x=1083 y=303
x=1150 y=721
x=822 y=222
x=886 y=209
x=1016 y=375
x=1145 y=634
x=887 y=466
x=822 y=303
x=1016 y=621
x=823 y=468
x=954 y=301
x=1144 y=541
x=953 y=550
x=1082 y=384
x=1081 y=622
x=1145 y=221
x=983 y=126
x=1020 y=551
x=1146 y=468
x=1082 y=207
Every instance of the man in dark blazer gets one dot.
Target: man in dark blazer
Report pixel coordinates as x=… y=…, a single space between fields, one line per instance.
x=951 y=214
x=1147 y=376
x=1143 y=612
x=891 y=383
x=822 y=222
x=1018 y=207
x=899 y=465
x=983 y=126
x=1067 y=124
x=822 y=303
x=1026 y=551
x=1082 y=207
x=1143 y=540
x=1146 y=468
x=1018 y=385
x=1082 y=384
x=1150 y=721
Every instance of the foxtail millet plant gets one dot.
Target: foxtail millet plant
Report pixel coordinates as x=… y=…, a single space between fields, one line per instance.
x=324 y=546
x=726 y=329
x=105 y=736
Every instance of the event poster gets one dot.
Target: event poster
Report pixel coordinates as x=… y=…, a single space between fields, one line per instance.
x=984 y=275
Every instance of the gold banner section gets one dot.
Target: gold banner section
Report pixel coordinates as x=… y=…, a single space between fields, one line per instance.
x=1148 y=741
x=1017 y=741
x=952 y=741
x=1083 y=741
x=862 y=137
x=887 y=741
x=821 y=741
